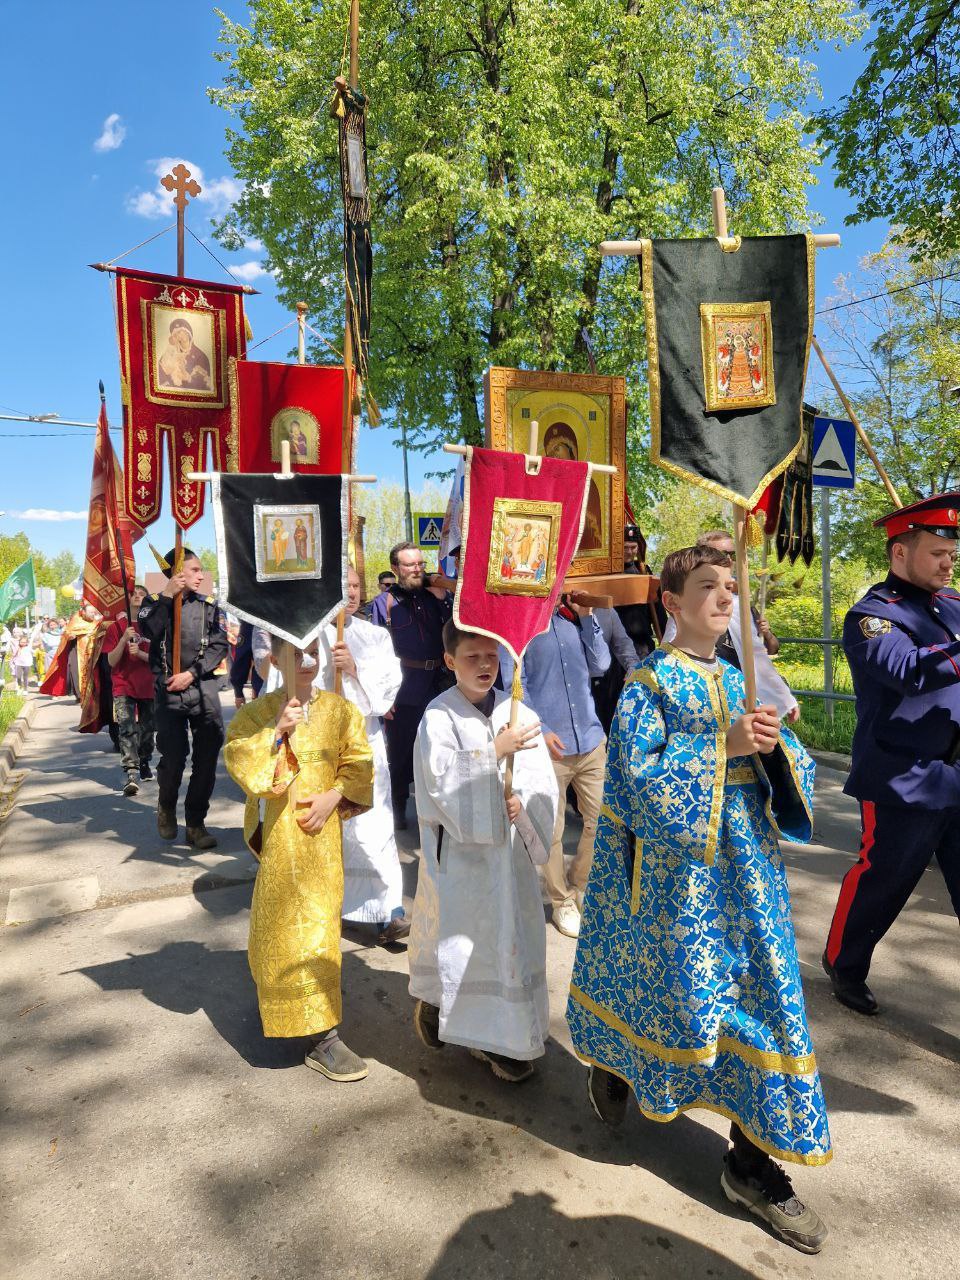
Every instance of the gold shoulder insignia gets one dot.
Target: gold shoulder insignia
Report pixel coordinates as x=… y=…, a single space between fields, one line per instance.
x=211 y=600
x=873 y=627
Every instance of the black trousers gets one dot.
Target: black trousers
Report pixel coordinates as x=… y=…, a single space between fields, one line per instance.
x=178 y=736
x=401 y=732
x=896 y=845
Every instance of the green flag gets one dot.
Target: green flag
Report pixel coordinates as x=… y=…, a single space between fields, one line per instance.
x=20 y=589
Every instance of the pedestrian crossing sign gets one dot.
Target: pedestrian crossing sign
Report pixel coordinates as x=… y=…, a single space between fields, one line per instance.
x=429 y=528
x=834 y=453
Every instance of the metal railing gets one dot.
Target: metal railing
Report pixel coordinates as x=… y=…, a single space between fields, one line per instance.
x=828 y=693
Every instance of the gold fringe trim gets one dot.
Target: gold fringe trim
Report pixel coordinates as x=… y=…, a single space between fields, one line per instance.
x=793 y=1157
x=766 y=1061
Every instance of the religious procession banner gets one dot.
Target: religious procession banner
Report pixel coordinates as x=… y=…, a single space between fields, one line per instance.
x=282 y=550
x=176 y=338
x=728 y=338
x=18 y=590
x=349 y=108
x=109 y=558
x=270 y=403
x=520 y=533
x=795 y=519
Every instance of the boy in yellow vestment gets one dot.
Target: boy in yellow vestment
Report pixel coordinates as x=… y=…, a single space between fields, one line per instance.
x=307 y=760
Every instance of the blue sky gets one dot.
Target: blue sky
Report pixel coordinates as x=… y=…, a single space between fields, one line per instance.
x=97 y=95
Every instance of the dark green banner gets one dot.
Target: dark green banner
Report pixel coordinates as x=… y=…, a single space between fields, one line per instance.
x=728 y=336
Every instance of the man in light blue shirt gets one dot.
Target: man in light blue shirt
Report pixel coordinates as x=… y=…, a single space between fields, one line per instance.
x=557 y=669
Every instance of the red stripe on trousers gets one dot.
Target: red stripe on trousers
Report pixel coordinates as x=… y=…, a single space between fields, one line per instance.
x=848 y=890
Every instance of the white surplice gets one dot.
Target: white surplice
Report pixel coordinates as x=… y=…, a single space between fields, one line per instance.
x=372 y=877
x=477 y=945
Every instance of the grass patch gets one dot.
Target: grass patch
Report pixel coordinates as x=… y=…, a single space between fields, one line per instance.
x=10 y=704
x=816 y=728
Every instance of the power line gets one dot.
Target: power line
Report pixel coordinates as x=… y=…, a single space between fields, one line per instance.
x=900 y=288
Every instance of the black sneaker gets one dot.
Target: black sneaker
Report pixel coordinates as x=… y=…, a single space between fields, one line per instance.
x=510 y=1069
x=426 y=1023
x=768 y=1193
x=131 y=787
x=146 y=773
x=608 y=1095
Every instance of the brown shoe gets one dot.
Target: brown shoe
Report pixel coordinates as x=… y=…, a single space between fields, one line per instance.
x=200 y=838
x=167 y=823
x=396 y=930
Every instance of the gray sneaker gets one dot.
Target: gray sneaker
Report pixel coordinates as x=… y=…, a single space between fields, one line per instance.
x=608 y=1095
x=510 y=1069
x=769 y=1194
x=334 y=1060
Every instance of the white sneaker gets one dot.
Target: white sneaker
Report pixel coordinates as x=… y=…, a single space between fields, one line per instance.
x=566 y=919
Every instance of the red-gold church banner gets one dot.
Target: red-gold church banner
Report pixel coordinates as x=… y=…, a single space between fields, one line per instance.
x=520 y=534
x=176 y=337
x=270 y=403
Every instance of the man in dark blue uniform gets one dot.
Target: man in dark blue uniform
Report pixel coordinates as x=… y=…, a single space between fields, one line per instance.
x=902 y=641
x=414 y=613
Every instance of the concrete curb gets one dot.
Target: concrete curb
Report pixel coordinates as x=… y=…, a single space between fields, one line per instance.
x=15 y=737
x=832 y=760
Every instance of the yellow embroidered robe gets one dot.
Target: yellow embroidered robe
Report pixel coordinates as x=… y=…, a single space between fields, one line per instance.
x=294 y=948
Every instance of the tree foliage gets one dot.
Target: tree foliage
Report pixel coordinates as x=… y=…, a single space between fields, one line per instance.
x=507 y=138
x=896 y=135
x=898 y=358
x=50 y=571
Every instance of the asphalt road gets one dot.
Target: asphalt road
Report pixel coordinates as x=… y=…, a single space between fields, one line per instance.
x=149 y=1130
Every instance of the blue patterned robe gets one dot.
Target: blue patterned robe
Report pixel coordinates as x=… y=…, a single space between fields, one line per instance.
x=686 y=982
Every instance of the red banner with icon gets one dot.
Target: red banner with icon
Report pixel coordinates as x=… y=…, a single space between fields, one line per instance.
x=176 y=338
x=301 y=403
x=521 y=530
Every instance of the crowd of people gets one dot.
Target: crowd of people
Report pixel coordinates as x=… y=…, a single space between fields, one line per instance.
x=685 y=986
x=26 y=651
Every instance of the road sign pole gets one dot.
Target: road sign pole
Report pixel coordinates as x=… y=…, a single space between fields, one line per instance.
x=827 y=602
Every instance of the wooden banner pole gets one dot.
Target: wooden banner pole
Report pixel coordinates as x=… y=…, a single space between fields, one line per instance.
x=740 y=518
x=864 y=438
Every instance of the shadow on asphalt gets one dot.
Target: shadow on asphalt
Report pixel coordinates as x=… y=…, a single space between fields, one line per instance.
x=530 y=1236
x=185 y=977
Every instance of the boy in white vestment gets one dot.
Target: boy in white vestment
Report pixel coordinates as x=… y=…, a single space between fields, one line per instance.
x=478 y=940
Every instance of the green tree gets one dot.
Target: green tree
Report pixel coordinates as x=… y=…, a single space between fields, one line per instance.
x=896 y=136
x=897 y=354
x=507 y=138
x=382 y=508
x=208 y=559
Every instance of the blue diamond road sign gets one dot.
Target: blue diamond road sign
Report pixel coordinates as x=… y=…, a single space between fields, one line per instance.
x=429 y=529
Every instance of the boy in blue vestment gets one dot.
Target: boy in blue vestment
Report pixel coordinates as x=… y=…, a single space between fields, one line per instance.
x=686 y=986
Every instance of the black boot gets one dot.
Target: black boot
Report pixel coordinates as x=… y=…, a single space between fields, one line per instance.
x=855 y=995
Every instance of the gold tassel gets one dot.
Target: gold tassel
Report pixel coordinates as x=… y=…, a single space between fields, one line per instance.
x=248 y=327
x=517 y=690
x=162 y=561
x=754 y=531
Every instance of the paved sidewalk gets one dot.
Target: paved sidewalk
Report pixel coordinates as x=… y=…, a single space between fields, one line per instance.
x=149 y=1131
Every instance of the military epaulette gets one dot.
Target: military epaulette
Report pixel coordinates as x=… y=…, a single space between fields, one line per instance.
x=210 y=600
x=947 y=593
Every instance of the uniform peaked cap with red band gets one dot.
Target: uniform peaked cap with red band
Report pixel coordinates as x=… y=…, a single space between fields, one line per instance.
x=939 y=514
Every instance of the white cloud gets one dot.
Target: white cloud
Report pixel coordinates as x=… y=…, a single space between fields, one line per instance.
x=44 y=513
x=216 y=195
x=248 y=271
x=112 y=135
x=253 y=246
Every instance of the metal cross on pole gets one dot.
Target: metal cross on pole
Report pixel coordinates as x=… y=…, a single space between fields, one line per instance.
x=183 y=188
